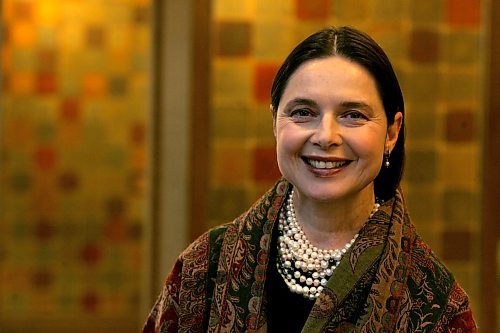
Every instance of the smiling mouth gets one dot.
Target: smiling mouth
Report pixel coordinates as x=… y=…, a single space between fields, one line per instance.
x=325 y=164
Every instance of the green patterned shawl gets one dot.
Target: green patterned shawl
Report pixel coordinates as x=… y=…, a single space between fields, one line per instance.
x=217 y=284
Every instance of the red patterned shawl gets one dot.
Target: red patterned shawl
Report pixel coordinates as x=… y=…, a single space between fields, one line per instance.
x=217 y=284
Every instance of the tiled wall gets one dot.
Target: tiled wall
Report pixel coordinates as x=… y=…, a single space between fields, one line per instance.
x=436 y=47
x=73 y=157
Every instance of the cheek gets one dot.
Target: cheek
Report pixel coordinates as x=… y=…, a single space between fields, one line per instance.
x=370 y=147
x=289 y=145
x=283 y=136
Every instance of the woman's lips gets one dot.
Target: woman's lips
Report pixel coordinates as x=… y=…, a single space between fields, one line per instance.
x=322 y=167
x=325 y=163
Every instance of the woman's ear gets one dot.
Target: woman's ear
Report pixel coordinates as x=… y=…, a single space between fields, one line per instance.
x=393 y=131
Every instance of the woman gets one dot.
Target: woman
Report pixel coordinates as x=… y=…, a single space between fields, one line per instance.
x=330 y=248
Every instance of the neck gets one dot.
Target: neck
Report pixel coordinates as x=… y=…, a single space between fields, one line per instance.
x=332 y=224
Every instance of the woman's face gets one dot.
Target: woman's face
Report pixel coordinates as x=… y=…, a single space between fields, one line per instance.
x=331 y=129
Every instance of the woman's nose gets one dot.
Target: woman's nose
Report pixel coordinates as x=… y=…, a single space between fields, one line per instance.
x=327 y=133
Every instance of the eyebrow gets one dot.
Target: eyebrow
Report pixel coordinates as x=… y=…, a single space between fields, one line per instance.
x=300 y=101
x=356 y=105
x=344 y=104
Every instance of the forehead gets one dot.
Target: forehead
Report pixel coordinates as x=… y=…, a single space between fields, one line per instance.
x=333 y=76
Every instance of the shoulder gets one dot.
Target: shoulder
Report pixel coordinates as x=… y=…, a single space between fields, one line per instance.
x=434 y=289
x=205 y=246
x=427 y=265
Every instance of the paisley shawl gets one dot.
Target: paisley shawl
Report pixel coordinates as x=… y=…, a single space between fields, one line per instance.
x=389 y=281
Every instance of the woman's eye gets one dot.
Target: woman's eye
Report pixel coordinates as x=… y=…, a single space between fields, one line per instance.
x=355 y=115
x=301 y=113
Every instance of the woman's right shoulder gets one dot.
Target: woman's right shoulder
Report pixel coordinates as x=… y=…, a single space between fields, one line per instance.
x=208 y=244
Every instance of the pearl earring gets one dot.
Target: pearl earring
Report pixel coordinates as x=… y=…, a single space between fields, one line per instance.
x=387 y=155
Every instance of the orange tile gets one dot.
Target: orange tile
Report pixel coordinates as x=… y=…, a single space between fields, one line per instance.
x=70 y=110
x=6 y=56
x=7 y=11
x=45 y=158
x=263 y=79
x=231 y=165
x=139 y=158
x=23 y=10
x=23 y=34
x=70 y=133
x=18 y=133
x=46 y=83
x=138 y=134
x=119 y=59
x=21 y=83
x=116 y=230
x=312 y=10
x=463 y=12
x=94 y=85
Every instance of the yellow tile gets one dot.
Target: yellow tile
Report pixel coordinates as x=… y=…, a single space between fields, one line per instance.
x=459 y=167
x=282 y=10
x=273 y=40
x=357 y=10
x=230 y=9
x=232 y=81
x=48 y=12
x=71 y=37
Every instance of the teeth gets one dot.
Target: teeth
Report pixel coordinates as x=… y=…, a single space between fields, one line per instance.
x=325 y=165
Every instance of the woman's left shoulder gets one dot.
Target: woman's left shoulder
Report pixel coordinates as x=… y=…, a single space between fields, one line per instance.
x=428 y=263
x=433 y=287
x=431 y=277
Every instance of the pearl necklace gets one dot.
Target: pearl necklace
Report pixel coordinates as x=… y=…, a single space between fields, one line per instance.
x=304 y=267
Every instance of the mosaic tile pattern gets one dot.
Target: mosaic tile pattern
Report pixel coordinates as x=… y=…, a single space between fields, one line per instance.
x=436 y=48
x=72 y=160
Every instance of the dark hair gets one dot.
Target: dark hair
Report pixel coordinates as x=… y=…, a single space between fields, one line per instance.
x=363 y=50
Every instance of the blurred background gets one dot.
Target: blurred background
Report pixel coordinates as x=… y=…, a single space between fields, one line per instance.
x=129 y=127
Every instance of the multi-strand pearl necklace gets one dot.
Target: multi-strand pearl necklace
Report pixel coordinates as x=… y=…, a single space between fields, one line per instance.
x=304 y=267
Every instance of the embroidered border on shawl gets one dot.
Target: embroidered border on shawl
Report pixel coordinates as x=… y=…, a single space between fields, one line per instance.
x=243 y=264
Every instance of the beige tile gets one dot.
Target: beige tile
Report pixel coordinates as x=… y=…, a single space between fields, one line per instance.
x=422 y=84
x=461 y=87
x=387 y=10
x=461 y=209
x=421 y=166
x=232 y=81
x=461 y=48
x=227 y=203
x=230 y=121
